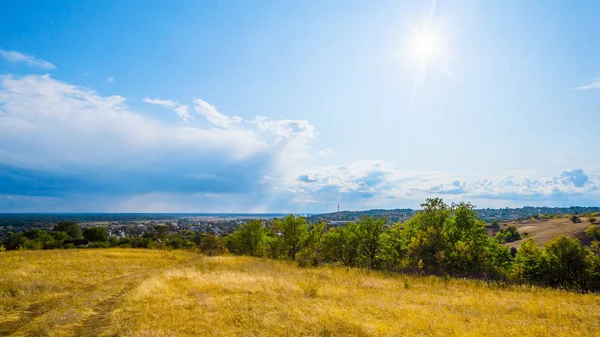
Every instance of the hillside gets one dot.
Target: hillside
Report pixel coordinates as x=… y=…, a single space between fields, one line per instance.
x=544 y=230
x=118 y=292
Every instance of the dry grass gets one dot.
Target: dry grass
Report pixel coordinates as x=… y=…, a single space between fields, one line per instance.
x=55 y=292
x=542 y=231
x=189 y=295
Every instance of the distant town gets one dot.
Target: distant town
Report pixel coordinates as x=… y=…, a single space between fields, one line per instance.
x=120 y=225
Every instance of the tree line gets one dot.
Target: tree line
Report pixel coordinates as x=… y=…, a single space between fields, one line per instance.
x=440 y=239
x=68 y=234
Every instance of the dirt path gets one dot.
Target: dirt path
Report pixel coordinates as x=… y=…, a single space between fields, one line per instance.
x=95 y=323
x=38 y=310
x=85 y=312
x=100 y=319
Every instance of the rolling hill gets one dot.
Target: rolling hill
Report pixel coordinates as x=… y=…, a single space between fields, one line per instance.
x=128 y=292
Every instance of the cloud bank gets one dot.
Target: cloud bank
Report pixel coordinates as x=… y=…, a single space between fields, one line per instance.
x=65 y=147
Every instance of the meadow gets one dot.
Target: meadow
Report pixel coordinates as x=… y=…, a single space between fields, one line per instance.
x=141 y=292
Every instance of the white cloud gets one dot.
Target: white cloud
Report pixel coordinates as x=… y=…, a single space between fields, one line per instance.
x=40 y=115
x=110 y=79
x=594 y=85
x=49 y=128
x=181 y=110
x=162 y=102
x=327 y=152
x=286 y=128
x=214 y=116
x=16 y=57
x=379 y=184
x=83 y=141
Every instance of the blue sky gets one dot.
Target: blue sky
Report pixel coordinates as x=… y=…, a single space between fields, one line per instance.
x=271 y=106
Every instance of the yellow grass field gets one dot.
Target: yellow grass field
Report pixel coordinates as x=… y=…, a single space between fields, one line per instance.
x=127 y=292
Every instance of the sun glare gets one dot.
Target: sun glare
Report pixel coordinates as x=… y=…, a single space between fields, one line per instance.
x=425 y=45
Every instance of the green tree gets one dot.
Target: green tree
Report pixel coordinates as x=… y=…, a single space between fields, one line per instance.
x=248 y=239
x=176 y=242
x=60 y=236
x=370 y=231
x=529 y=263
x=95 y=234
x=508 y=234
x=393 y=247
x=466 y=241
x=592 y=220
x=211 y=244
x=39 y=239
x=425 y=232
x=71 y=228
x=499 y=257
x=566 y=263
x=315 y=252
x=14 y=241
x=342 y=243
x=294 y=235
x=160 y=232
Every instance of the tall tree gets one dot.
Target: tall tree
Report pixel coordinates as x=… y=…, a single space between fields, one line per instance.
x=248 y=239
x=370 y=233
x=71 y=228
x=95 y=234
x=294 y=235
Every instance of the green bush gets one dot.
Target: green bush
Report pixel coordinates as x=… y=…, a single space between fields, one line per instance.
x=71 y=228
x=593 y=232
x=565 y=264
x=508 y=234
x=99 y=245
x=495 y=224
x=95 y=234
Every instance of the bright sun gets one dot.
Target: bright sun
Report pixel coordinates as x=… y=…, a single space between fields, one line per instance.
x=425 y=45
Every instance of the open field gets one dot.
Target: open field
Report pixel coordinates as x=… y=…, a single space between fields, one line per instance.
x=542 y=231
x=126 y=292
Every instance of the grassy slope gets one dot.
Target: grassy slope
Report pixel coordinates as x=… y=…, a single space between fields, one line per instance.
x=542 y=231
x=156 y=293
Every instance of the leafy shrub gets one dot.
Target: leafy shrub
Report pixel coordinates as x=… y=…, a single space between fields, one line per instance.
x=508 y=234
x=211 y=244
x=565 y=264
x=71 y=228
x=593 y=232
x=495 y=224
x=95 y=234
x=99 y=245
x=529 y=262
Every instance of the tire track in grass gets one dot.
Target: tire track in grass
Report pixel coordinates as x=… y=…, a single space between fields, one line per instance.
x=96 y=323
x=100 y=305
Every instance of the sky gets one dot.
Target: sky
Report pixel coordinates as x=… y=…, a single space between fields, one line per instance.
x=297 y=106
